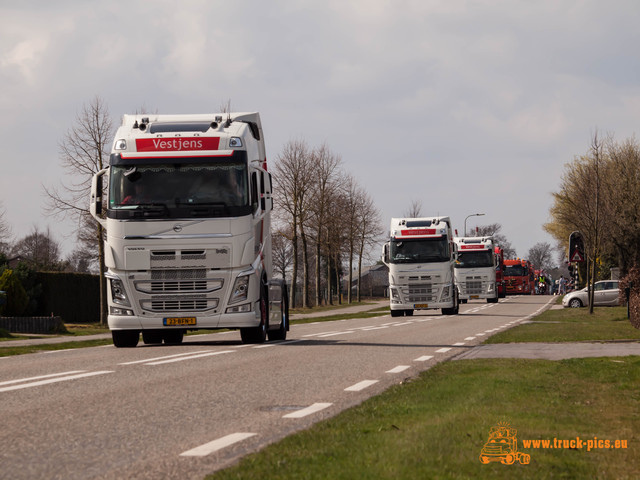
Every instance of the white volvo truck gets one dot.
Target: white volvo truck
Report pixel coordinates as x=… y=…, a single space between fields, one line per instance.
x=188 y=229
x=475 y=269
x=420 y=255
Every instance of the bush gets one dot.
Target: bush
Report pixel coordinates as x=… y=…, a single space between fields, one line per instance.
x=632 y=280
x=17 y=299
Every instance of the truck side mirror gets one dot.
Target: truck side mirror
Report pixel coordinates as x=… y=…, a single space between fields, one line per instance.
x=95 y=205
x=385 y=253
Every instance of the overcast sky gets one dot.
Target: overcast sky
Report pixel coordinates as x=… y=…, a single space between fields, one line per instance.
x=464 y=106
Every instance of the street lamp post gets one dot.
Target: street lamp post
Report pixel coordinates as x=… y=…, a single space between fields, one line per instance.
x=465 y=221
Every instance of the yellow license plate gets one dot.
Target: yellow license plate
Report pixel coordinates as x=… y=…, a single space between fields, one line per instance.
x=170 y=321
x=474 y=296
x=421 y=305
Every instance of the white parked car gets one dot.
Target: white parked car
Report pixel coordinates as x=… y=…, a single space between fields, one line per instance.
x=606 y=293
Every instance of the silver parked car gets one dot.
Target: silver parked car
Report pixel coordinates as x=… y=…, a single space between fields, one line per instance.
x=606 y=293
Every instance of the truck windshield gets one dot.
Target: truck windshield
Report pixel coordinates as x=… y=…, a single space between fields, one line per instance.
x=421 y=250
x=179 y=190
x=475 y=259
x=515 y=271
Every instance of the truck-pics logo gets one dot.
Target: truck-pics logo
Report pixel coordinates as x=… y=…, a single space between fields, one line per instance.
x=502 y=446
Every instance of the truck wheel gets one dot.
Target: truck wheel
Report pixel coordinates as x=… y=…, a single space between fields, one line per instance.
x=397 y=313
x=173 y=337
x=492 y=300
x=152 y=337
x=281 y=332
x=408 y=313
x=257 y=334
x=484 y=459
x=125 y=338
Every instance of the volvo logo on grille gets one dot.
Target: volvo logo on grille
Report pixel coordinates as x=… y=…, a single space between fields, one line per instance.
x=177 y=228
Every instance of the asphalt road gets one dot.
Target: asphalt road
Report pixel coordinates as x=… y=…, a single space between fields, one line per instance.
x=157 y=412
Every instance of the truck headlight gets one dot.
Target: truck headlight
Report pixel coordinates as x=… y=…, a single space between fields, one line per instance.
x=240 y=290
x=118 y=293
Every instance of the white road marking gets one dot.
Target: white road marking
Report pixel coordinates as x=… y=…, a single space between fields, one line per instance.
x=360 y=385
x=40 y=377
x=400 y=324
x=459 y=344
x=424 y=358
x=316 y=407
x=172 y=360
x=335 y=333
x=443 y=350
x=162 y=358
x=219 y=444
x=398 y=369
x=470 y=338
x=53 y=380
x=366 y=329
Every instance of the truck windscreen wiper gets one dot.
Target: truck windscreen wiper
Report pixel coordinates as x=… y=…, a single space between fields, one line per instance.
x=154 y=209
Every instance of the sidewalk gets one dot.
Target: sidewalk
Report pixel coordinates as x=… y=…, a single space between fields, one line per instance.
x=553 y=351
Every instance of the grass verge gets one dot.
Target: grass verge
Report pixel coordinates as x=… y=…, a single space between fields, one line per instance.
x=8 y=350
x=572 y=325
x=436 y=425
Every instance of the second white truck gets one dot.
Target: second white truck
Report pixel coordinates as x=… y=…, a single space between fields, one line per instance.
x=475 y=269
x=420 y=255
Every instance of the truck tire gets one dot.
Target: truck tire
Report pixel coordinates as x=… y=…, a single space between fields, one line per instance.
x=152 y=337
x=492 y=300
x=397 y=313
x=125 y=338
x=173 y=337
x=281 y=332
x=258 y=334
x=408 y=313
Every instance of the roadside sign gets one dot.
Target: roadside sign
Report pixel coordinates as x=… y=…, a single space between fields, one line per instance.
x=576 y=257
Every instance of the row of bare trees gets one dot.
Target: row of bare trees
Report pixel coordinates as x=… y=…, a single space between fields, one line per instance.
x=599 y=196
x=325 y=220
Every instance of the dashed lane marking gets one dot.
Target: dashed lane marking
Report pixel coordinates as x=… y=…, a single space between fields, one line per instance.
x=219 y=444
x=424 y=358
x=316 y=407
x=398 y=369
x=360 y=386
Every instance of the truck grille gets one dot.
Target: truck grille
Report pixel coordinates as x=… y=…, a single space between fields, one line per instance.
x=473 y=287
x=419 y=293
x=175 y=304
x=179 y=281
x=179 y=286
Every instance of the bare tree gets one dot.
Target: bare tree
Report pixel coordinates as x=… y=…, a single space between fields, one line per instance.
x=83 y=152
x=370 y=231
x=621 y=203
x=39 y=250
x=326 y=186
x=5 y=231
x=578 y=203
x=415 y=209
x=282 y=251
x=293 y=177
x=493 y=230
x=541 y=256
